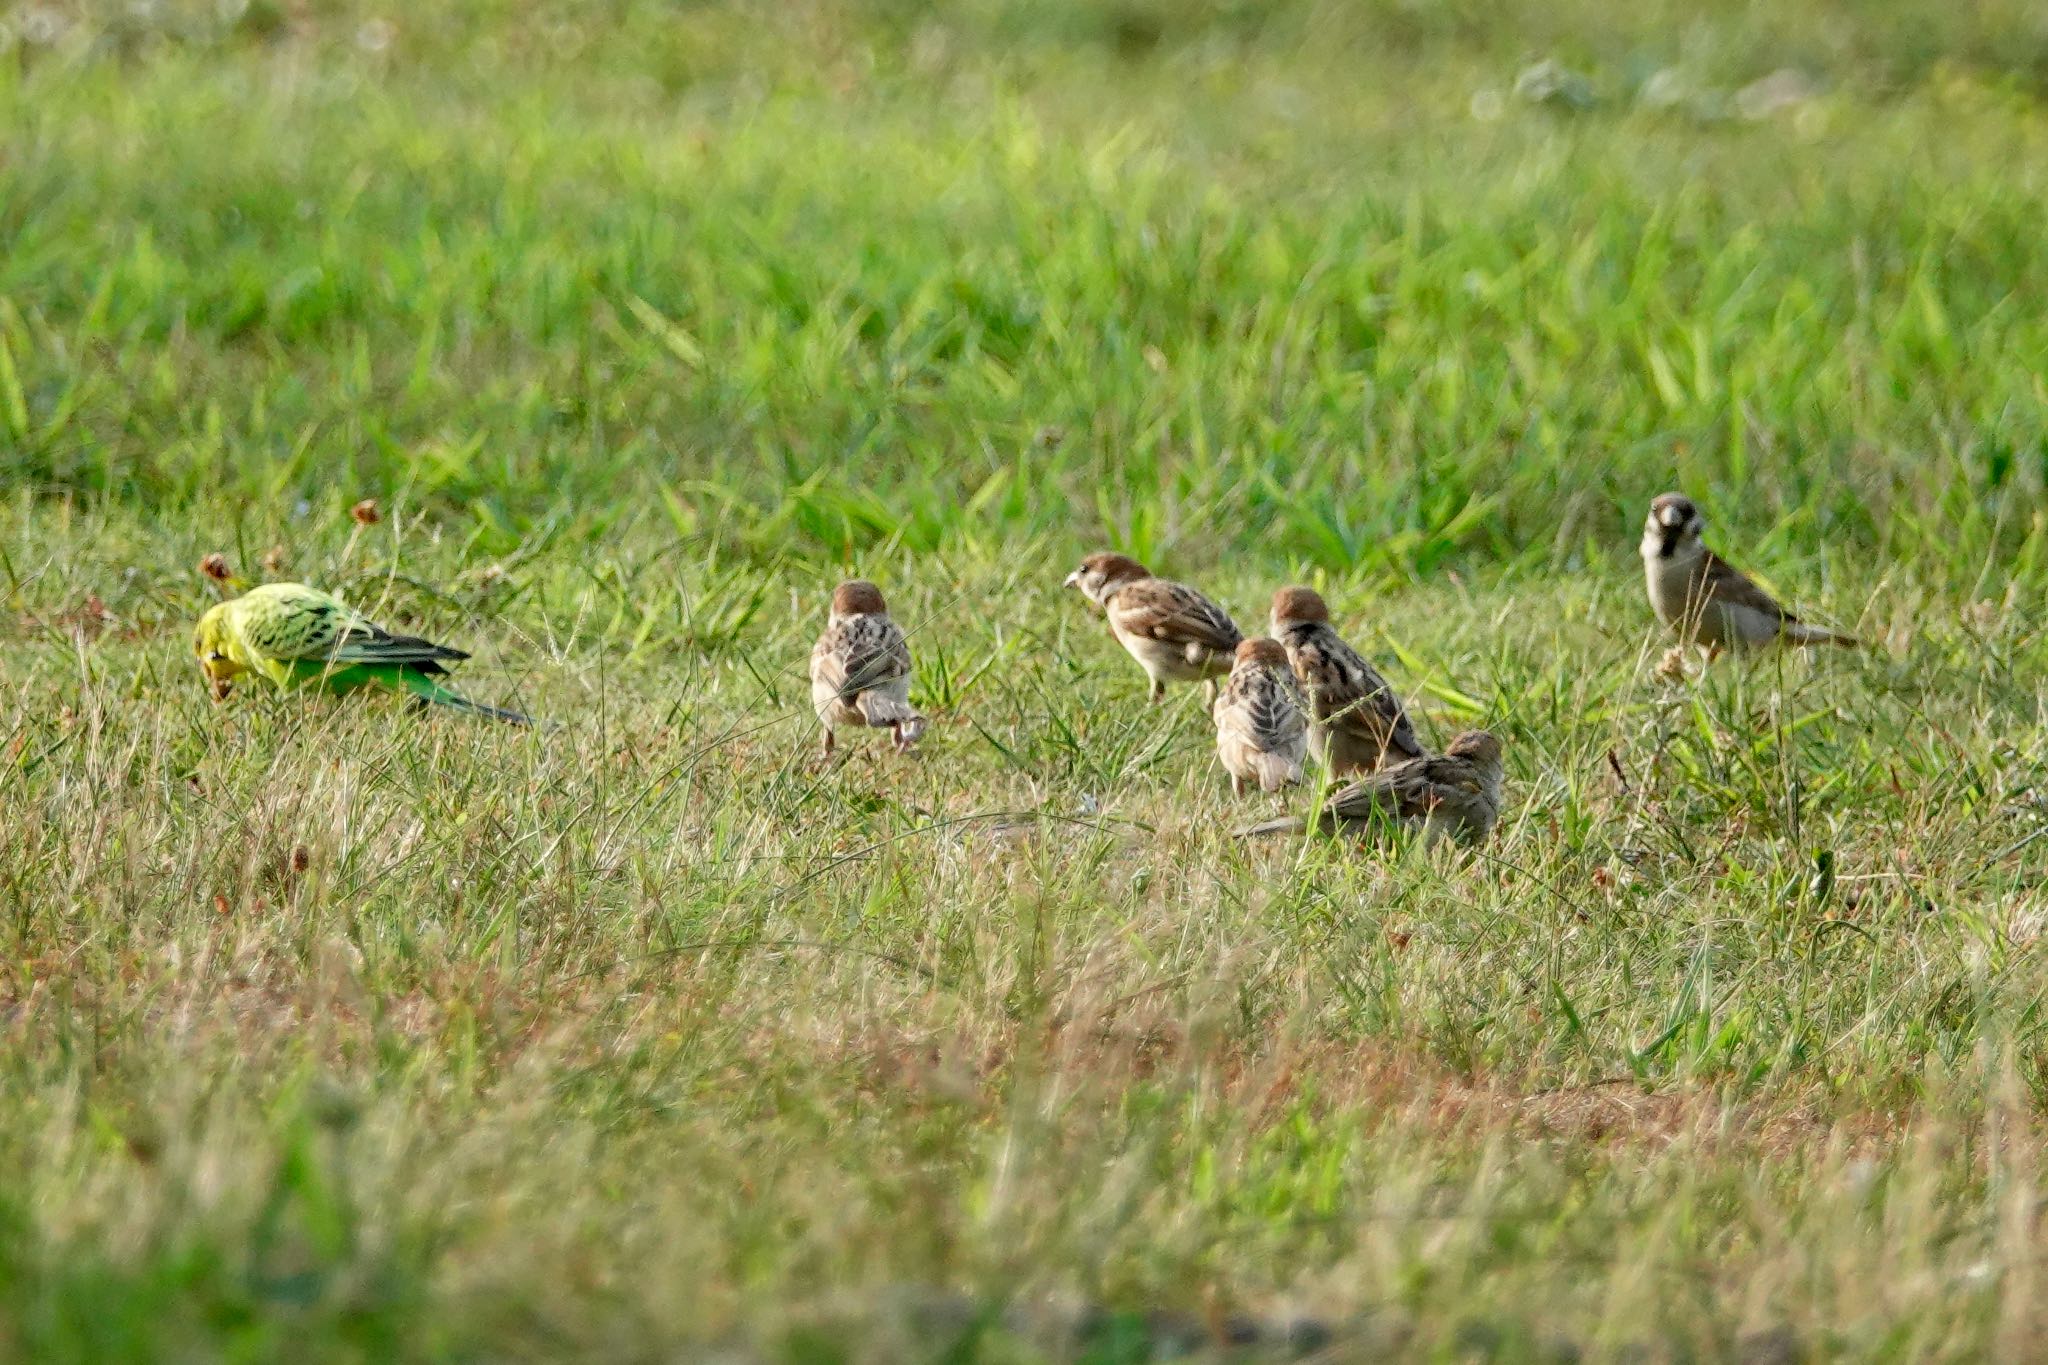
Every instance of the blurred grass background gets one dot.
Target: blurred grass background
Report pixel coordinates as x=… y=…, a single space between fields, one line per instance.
x=333 y=1033
x=1185 y=275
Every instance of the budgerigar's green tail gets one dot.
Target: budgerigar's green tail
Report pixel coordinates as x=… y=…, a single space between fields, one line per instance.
x=399 y=678
x=428 y=690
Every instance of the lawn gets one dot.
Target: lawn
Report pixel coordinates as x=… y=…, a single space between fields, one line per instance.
x=334 y=1031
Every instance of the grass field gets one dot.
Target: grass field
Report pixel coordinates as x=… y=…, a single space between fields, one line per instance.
x=330 y=1031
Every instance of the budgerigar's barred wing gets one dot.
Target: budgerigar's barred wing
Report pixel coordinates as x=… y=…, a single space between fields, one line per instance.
x=1348 y=692
x=313 y=627
x=860 y=653
x=1174 y=613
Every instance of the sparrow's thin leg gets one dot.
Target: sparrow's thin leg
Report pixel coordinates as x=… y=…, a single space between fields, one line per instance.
x=828 y=741
x=1236 y=785
x=1158 y=691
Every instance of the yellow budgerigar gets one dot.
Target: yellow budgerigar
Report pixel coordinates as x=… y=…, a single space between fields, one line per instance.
x=295 y=635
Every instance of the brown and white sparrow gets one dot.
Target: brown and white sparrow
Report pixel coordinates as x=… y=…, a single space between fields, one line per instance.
x=1455 y=793
x=1261 y=720
x=1704 y=598
x=1359 y=724
x=860 y=668
x=1175 y=633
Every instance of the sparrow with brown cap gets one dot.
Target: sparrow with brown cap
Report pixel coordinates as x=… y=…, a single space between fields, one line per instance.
x=860 y=668
x=1455 y=794
x=1359 y=724
x=1175 y=633
x=1706 y=600
x=1261 y=720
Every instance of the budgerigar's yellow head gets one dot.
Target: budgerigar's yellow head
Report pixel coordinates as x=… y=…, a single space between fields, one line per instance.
x=210 y=643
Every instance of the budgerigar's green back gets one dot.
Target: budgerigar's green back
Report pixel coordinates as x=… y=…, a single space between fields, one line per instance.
x=295 y=635
x=281 y=627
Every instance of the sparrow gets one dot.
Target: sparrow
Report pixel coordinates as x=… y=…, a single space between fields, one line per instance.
x=860 y=668
x=1456 y=794
x=1175 y=633
x=1261 y=719
x=1704 y=598
x=1359 y=724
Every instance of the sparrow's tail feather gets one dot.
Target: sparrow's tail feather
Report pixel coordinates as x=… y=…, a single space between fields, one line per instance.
x=883 y=712
x=1275 y=771
x=1799 y=633
x=1293 y=824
